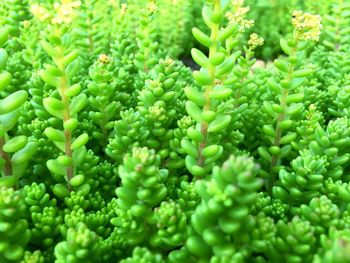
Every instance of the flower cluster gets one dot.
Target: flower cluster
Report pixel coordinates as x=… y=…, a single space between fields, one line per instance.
x=152 y=7
x=308 y=26
x=65 y=12
x=238 y=14
x=39 y=12
x=104 y=59
x=255 y=41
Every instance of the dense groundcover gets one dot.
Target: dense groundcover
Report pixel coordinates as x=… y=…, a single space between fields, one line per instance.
x=113 y=150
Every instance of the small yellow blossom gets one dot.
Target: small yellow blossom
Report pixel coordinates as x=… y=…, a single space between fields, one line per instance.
x=26 y=24
x=142 y=154
x=255 y=41
x=65 y=11
x=154 y=83
x=157 y=112
x=169 y=61
x=238 y=14
x=152 y=7
x=123 y=10
x=39 y=12
x=113 y=3
x=104 y=59
x=308 y=26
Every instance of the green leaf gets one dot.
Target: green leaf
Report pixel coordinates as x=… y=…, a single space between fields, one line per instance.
x=207 y=14
x=285 y=47
x=60 y=191
x=53 y=105
x=70 y=124
x=24 y=154
x=5 y=80
x=56 y=167
x=277 y=108
x=80 y=141
x=288 y=138
x=269 y=130
x=50 y=50
x=203 y=78
x=194 y=95
x=64 y=160
x=54 y=134
x=73 y=69
x=13 y=101
x=15 y=144
x=221 y=92
x=208 y=115
x=70 y=57
x=78 y=103
x=8 y=181
x=9 y=120
x=295 y=109
x=274 y=85
x=54 y=39
x=193 y=168
x=215 y=157
x=189 y=148
x=3 y=58
x=201 y=37
x=53 y=70
x=14 y=253
x=4 y=36
x=302 y=73
x=268 y=108
x=50 y=79
x=219 y=124
x=281 y=65
x=294 y=98
x=285 y=150
x=84 y=189
x=73 y=90
x=210 y=150
x=200 y=58
x=79 y=155
x=217 y=58
x=77 y=180
x=264 y=154
x=194 y=134
x=194 y=111
x=225 y=68
x=230 y=30
x=297 y=82
x=285 y=124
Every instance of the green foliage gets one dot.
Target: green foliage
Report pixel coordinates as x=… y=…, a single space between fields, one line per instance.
x=222 y=218
x=14 y=230
x=113 y=150
x=15 y=151
x=81 y=245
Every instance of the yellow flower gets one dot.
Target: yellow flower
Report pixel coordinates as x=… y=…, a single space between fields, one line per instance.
x=26 y=24
x=104 y=59
x=238 y=14
x=152 y=7
x=255 y=41
x=124 y=7
x=39 y=12
x=65 y=11
x=308 y=26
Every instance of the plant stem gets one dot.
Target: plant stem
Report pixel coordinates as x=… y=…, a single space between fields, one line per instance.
x=64 y=85
x=276 y=159
x=208 y=88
